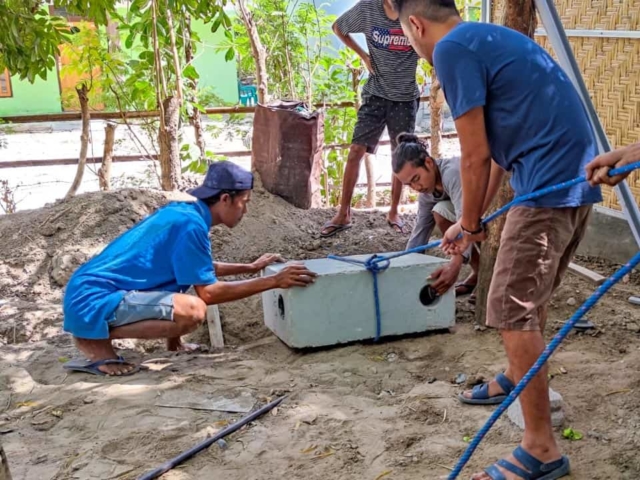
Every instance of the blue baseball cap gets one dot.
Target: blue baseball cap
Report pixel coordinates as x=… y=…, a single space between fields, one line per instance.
x=221 y=176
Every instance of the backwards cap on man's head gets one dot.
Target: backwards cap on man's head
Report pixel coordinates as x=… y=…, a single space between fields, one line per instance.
x=223 y=176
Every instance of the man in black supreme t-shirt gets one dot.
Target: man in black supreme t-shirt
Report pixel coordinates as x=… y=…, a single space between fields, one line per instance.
x=390 y=97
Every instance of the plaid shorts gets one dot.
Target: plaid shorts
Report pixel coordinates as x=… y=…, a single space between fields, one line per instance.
x=376 y=113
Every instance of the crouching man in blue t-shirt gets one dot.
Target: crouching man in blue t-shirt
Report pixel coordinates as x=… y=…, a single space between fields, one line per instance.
x=513 y=104
x=135 y=288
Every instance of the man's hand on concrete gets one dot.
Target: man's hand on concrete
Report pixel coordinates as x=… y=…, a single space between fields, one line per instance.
x=598 y=168
x=445 y=277
x=266 y=260
x=294 y=275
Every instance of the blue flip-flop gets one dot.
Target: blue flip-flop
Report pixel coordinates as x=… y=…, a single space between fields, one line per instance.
x=536 y=469
x=87 y=366
x=480 y=393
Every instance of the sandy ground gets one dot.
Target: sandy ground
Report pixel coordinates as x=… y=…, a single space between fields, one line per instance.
x=364 y=411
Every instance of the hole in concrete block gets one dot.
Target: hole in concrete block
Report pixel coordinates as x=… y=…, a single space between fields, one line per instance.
x=428 y=295
x=281 y=306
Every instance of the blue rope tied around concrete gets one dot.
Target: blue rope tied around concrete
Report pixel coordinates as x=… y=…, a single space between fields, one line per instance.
x=377 y=263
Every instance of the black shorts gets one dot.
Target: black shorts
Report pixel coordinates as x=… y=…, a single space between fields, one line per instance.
x=377 y=113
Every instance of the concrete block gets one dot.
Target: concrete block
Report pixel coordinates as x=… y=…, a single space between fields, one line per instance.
x=514 y=412
x=340 y=306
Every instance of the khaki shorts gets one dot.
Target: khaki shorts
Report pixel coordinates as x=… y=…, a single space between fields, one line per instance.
x=536 y=247
x=446 y=210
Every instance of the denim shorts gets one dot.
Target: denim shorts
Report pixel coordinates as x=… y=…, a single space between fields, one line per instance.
x=138 y=306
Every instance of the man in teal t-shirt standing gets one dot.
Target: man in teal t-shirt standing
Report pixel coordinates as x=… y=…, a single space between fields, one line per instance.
x=513 y=104
x=135 y=288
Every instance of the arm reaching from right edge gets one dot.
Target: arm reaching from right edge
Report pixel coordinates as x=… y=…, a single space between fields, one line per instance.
x=295 y=275
x=598 y=168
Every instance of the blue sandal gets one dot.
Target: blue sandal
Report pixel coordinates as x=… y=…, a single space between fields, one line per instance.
x=480 y=393
x=87 y=366
x=536 y=469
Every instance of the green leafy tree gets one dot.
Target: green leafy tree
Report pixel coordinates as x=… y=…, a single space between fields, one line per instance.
x=29 y=38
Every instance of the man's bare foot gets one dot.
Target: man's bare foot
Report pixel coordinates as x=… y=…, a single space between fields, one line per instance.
x=467 y=286
x=176 y=345
x=394 y=220
x=494 y=389
x=339 y=221
x=542 y=454
x=97 y=350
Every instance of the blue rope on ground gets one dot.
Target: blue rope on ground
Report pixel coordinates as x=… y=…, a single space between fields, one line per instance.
x=378 y=263
x=537 y=366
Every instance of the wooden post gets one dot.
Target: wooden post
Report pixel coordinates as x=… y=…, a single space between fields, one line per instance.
x=436 y=101
x=215 y=327
x=519 y=15
x=83 y=96
x=258 y=51
x=104 y=172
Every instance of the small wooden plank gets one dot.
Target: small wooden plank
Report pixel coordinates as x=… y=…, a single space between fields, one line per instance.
x=215 y=327
x=587 y=274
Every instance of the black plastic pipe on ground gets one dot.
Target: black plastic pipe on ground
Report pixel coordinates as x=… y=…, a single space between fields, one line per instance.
x=174 y=462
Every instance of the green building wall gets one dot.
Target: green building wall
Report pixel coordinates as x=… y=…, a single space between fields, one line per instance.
x=214 y=70
x=43 y=96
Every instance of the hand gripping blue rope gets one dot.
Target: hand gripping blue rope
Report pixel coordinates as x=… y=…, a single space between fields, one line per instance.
x=378 y=263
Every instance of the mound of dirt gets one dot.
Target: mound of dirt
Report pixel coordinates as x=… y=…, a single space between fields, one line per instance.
x=40 y=249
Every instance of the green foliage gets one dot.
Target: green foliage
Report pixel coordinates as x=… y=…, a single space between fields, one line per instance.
x=89 y=59
x=571 y=434
x=296 y=37
x=29 y=38
x=98 y=11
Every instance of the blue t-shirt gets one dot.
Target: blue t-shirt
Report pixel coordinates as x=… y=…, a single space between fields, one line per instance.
x=536 y=123
x=167 y=251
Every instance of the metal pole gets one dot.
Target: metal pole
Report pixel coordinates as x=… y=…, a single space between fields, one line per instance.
x=485 y=12
x=562 y=48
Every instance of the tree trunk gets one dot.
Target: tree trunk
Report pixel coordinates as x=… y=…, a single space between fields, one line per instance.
x=168 y=141
x=174 y=54
x=104 y=172
x=436 y=101
x=195 y=118
x=258 y=51
x=83 y=96
x=519 y=15
x=113 y=37
x=5 y=474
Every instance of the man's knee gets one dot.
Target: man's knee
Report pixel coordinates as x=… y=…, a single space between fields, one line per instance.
x=189 y=312
x=442 y=223
x=356 y=153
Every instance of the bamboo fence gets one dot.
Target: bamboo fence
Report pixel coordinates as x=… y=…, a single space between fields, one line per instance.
x=610 y=68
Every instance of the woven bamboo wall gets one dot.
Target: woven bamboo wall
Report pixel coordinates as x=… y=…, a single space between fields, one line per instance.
x=610 y=68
